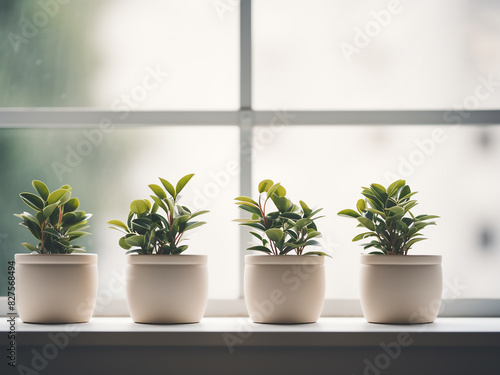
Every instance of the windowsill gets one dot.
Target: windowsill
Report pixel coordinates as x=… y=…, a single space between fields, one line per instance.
x=449 y=332
x=333 y=345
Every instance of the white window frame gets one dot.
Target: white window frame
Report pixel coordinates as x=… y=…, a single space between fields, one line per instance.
x=246 y=118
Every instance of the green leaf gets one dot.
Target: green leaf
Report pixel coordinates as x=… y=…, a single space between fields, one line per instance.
x=41 y=188
x=168 y=186
x=194 y=224
x=256 y=235
x=182 y=182
x=379 y=192
x=396 y=210
x=32 y=200
x=290 y=215
x=69 y=218
x=251 y=208
x=313 y=233
x=159 y=202
x=265 y=185
x=361 y=205
x=305 y=208
x=139 y=206
x=348 y=213
x=362 y=236
x=141 y=225
x=246 y=221
x=30 y=247
x=76 y=250
x=314 y=213
x=77 y=234
x=294 y=245
x=415 y=240
x=135 y=240
x=52 y=232
x=367 y=223
x=408 y=196
x=281 y=191
x=274 y=234
x=80 y=226
x=379 y=188
x=60 y=195
x=123 y=243
x=281 y=203
x=34 y=229
x=28 y=216
x=180 y=249
x=374 y=211
x=426 y=217
x=47 y=211
x=198 y=213
x=246 y=199
x=403 y=226
x=404 y=192
x=119 y=223
x=260 y=248
x=312 y=243
x=160 y=193
x=394 y=187
x=255 y=225
x=302 y=223
x=319 y=253
x=170 y=205
x=71 y=205
x=273 y=189
x=390 y=203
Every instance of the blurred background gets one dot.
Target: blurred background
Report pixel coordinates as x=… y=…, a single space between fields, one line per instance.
x=154 y=55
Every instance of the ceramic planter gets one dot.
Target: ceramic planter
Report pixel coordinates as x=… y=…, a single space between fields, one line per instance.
x=404 y=289
x=56 y=288
x=284 y=289
x=167 y=288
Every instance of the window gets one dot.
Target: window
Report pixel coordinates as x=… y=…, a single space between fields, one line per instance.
x=323 y=96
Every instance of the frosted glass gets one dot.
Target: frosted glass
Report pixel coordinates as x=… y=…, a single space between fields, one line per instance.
x=326 y=55
x=455 y=170
x=116 y=168
x=151 y=54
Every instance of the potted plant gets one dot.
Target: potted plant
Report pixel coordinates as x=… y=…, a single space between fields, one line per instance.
x=395 y=287
x=286 y=284
x=56 y=283
x=162 y=285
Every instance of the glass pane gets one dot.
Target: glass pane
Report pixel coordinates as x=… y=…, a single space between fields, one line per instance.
x=454 y=169
x=350 y=55
x=108 y=169
x=152 y=54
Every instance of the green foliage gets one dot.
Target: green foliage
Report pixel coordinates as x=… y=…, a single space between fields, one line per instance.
x=385 y=213
x=289 y=229
x=56 y=222
x=149 y=232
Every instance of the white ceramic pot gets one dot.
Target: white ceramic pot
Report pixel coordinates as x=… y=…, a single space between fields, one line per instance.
x=56 y=288
x=167 y=288
x=284 y=288
x=404 y=289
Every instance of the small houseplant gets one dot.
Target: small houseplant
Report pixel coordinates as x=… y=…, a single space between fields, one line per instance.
x=287 y=284
x=55 y=284
x=395 y=287
x=163 y=286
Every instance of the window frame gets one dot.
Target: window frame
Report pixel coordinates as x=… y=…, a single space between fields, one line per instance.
x=246 y=118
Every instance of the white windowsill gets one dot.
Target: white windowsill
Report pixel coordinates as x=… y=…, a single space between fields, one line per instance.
x=122 y=331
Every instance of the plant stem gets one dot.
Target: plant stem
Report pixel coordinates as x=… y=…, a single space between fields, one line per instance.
x=42 y=240
x=263 y=211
